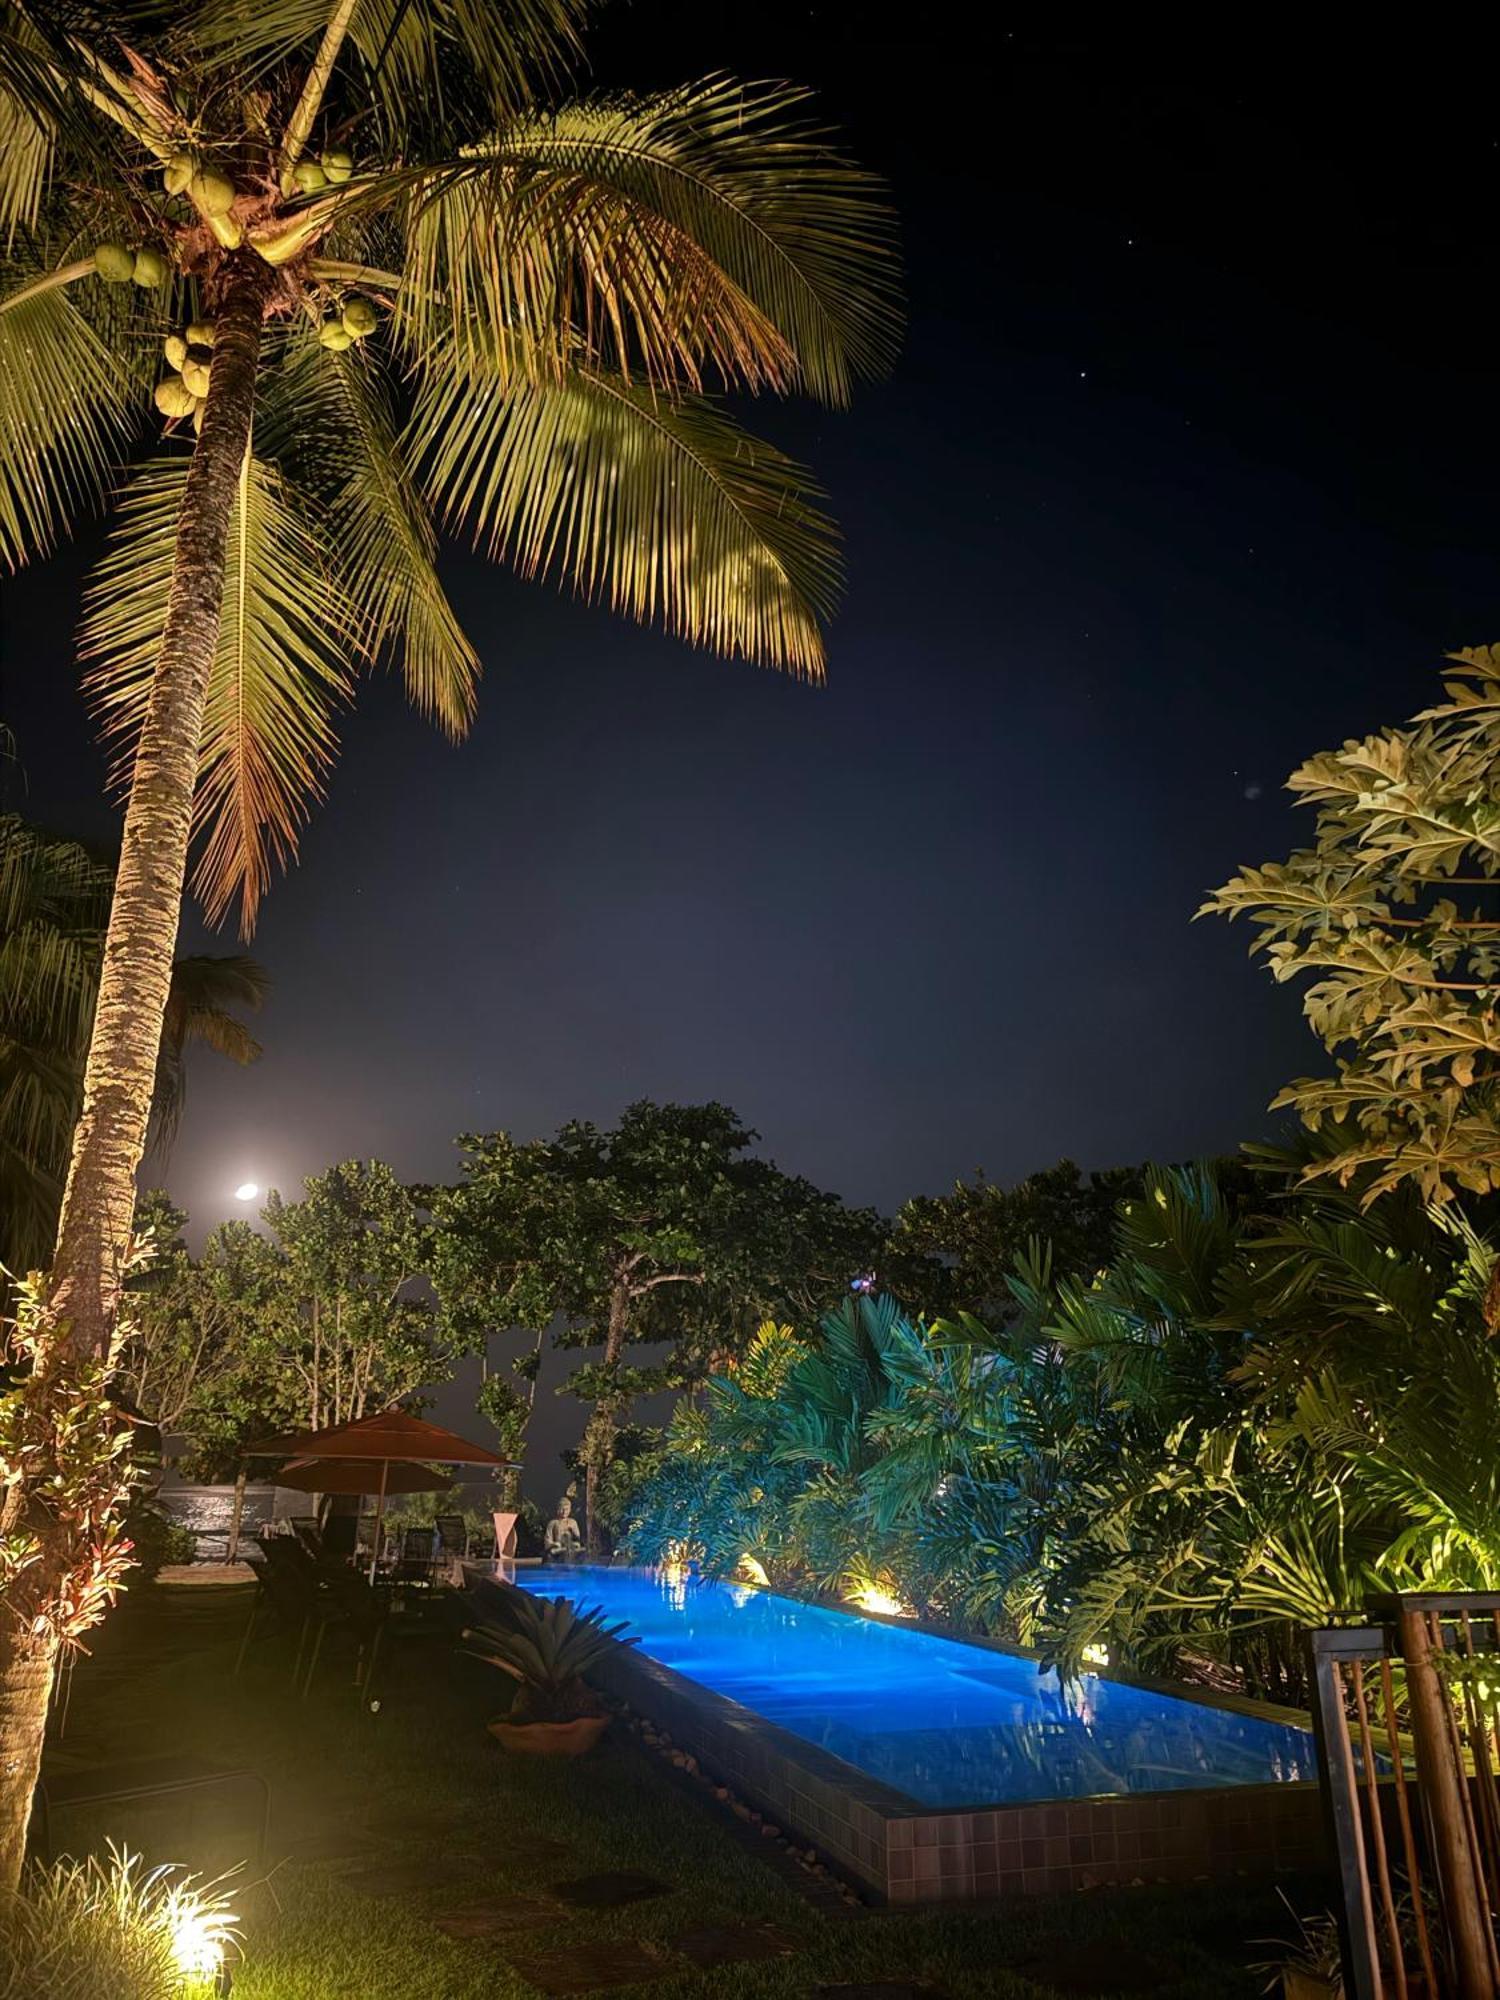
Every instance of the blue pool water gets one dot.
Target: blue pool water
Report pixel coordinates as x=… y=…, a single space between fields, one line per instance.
x=946 y=1723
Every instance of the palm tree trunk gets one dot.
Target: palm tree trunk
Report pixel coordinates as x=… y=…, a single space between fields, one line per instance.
x=99 y=1202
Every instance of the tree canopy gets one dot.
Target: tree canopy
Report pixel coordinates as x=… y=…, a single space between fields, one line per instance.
x=1394 y=914
x=664 y=1229
x=956 y=1252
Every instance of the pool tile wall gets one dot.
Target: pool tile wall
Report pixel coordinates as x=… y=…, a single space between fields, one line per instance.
x=903 y=1852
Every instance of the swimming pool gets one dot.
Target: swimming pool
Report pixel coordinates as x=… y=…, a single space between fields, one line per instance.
x=944 y=1723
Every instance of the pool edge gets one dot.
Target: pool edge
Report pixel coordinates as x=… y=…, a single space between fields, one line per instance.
x=904 y=1852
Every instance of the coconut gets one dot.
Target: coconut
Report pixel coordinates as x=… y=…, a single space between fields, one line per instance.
x=334 y=336
x=227 y=231
x=150 y=269
x=174 y=398
x=212 y=191
x=175 y=349
x=337 y=164
x=360 y=317
x=195 y=374
x=114 y=263
x=308 y=177
x=177 y=173
x=200 y=333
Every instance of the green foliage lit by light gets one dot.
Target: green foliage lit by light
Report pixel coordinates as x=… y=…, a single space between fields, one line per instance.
x=1394 y=915
x=499 y=310
x=1259 y=1413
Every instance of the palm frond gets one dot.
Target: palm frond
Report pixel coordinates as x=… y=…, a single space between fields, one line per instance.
x=204 y=988
x=407 y=65
x=281 y=666
x=54 y=904
x=740 y=171
x=65 y=406
x=28 y=132
x=330 y=420
x=539 y=265
x=44 y=116
x=665 y=510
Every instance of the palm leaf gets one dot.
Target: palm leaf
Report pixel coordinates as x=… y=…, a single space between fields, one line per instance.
x=330 y=420
x=665 y=510
x=54 y=904
x=44 y=117
x=538 y=264
x=65 y=407
x=281 y=666
x=737 y=170
x=203 y=990
x=409 y=62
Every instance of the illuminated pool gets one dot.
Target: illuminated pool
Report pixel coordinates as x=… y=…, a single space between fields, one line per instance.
x=946 y=1724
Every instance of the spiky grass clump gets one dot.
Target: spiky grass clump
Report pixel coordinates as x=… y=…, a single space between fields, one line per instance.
x=114 y=1930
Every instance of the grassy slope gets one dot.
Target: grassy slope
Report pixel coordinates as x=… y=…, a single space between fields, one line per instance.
x=421 y=1778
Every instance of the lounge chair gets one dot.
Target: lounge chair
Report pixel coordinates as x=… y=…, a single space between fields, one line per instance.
x=416 y=1566
x=455 y=1536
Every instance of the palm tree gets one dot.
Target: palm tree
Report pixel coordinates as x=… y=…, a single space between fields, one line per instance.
x=54 y=906
x=395 y=288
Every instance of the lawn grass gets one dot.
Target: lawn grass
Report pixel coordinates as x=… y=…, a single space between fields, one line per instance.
x=420 y=1780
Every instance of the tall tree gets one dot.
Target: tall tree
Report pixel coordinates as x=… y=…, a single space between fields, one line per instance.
x=661 y=1230
x=554 y=285
x=956 y=1252
x=352 y=1246
x=1394 y=914
x=214 y=1348
x=54 y=905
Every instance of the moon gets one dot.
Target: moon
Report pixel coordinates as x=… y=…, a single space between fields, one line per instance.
x=246 y=1191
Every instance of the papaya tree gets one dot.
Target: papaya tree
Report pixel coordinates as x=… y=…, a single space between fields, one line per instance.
x=327 y=275
x=1392 y=916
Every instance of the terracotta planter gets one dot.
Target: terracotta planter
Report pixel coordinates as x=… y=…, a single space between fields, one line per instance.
x=551 y=1739
x=1305 y=1985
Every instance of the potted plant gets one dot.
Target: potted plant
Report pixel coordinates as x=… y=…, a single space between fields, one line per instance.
x=1308 y=1966
x=547 y=1645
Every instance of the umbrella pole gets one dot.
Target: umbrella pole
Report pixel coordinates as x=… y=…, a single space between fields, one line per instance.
x=385 y=1466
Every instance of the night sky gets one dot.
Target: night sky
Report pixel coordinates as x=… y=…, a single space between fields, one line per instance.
x=1188 y=470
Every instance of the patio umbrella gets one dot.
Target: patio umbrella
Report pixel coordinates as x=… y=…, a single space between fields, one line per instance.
x=361 y=1475
x=389 y=1437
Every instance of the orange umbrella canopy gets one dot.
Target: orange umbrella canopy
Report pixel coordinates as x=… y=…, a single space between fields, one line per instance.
x=361 y=1475
x=390 y=1434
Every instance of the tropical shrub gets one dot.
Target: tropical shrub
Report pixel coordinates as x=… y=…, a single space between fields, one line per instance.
x=156 y=1539
x=1258 y=1415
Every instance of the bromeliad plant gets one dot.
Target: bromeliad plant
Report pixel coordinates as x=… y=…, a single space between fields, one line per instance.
x=548 y=1646
x=390 y=281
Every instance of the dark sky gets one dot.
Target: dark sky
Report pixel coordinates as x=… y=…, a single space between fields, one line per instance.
x=1188 y=470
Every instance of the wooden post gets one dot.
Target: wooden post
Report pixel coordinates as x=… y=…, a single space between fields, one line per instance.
x=1442 y=1782
x=239 y=1509
x=1327 y=1649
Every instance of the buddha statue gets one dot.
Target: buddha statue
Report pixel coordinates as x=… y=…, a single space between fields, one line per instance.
x=562 y=1538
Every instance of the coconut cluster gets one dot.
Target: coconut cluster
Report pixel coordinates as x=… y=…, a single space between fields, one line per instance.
x=330 y=169
x=189 y=355
x=355 y=321
x=212 y=193
x=118 y=264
